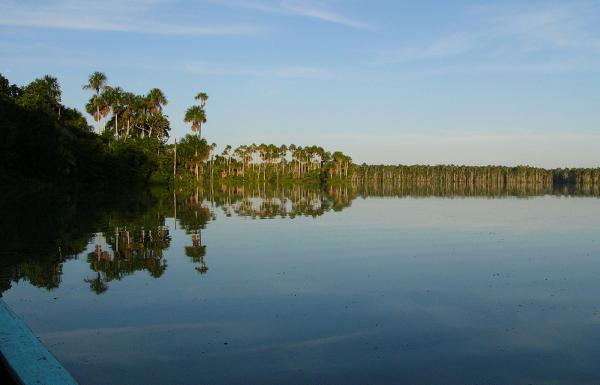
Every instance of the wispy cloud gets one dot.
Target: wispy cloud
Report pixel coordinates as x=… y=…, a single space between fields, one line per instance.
x=545 y=37
x=444 y=47
x=540 y=26
x=320 y=13
x=303 y=8
x=283 y=72
x=109 y=15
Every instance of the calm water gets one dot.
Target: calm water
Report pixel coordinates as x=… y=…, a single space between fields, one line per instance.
x=310 y=288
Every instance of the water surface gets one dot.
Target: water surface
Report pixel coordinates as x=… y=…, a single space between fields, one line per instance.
x=310 y=287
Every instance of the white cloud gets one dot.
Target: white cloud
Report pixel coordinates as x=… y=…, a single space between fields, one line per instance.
x=303 y=8
x=115 y=16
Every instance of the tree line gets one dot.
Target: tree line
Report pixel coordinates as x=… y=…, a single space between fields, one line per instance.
x=45 y=139
x=447 y=175
x=277 y=163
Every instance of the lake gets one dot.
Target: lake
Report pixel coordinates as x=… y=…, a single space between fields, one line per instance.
x=304 y=286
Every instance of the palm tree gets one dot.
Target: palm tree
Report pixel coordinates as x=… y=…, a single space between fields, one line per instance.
x=196 y=116
x=96 y=82
x=158 y=125
x=103 y=104
x=115 y=99
x=156 y=100
x=240 y=152
x=227 y=155
x=203 y=97
x=283 y=149
x=129 y=100
x=211 y=151
x=141 y=114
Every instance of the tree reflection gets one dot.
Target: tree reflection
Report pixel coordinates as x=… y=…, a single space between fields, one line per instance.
x=194 y=214
x=120 y=237
x=125 y=252
x=41 y=231
x=197 y=252
x=264 y=201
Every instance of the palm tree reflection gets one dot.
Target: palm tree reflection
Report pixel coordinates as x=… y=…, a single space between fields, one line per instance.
x=125 y=252
x=197 y=252
x=119 y=237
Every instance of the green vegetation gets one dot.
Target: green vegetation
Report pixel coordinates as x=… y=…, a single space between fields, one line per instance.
x=48 y=142
x=284 y=164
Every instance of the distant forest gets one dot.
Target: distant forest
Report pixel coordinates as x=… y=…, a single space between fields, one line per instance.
x=48 y=143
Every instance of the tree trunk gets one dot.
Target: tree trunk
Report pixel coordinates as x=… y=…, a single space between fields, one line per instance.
x=97 y=111
x=174 y=209
x=175 y=162
x=196 y=166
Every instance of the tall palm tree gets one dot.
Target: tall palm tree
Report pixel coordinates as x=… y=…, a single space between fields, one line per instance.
x=115 y=99
x=211 y=152
x=241 y=152
x=196 y=116
x=282 y=155
x=141 y=113
x=129 y=111
x=96 y=82
x=103 y=104
x=227 y=155
x=203 y=97
x=156 y=100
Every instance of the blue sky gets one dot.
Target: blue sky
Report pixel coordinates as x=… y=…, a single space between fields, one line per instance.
x=470 y=82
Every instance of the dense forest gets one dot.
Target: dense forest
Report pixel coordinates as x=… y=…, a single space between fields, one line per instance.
x=48 y=142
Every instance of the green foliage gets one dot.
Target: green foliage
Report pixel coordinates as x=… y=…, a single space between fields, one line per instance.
x=196 y=116
x=96 y=82
x=47 y=142
x=125 y=114
x=132 y=159
x=193 y=149
x=8 y=89
x=42 y=94
x=474 y=175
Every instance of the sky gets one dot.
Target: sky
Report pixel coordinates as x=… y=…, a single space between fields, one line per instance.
x=385 y=81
